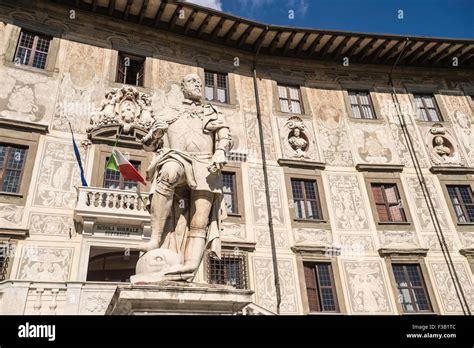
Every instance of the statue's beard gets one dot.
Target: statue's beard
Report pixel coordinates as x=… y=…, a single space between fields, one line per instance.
x=193 y=95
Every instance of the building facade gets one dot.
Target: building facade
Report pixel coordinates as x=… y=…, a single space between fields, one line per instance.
x=332 y=219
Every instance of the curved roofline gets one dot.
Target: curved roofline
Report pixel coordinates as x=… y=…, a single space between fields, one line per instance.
x=225 y=29
x=318 y=30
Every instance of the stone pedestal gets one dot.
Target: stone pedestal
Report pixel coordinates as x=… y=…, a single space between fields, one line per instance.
x=178 y=298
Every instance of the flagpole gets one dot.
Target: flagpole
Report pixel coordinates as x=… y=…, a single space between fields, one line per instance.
x=77 y=154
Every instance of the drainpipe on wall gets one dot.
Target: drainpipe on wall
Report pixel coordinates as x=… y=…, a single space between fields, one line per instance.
x=265 y=179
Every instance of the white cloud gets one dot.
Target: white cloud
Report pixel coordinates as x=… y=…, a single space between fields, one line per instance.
x=254 y=4
x=300 y=6
x=215 y=4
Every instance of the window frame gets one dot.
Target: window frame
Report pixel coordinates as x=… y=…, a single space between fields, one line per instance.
x=456 y=180
x=387 y=204
x=288 y=99
x=104 y=150
x=304 y=254
x=27 y=138
x=411 y=288
x=244 y=268
x=319 y=304
x=415 y=256
x=239 y=217
x=462 y=204
x=378 y=177
x=303 y=173
x=121 y=181
x=359 y=103
x=121 y=55
x=234 y=192
x=3 y=167
x=214 y=87
x=435 y=103
x=12 y=43
x=33 y=49
x=317 y=200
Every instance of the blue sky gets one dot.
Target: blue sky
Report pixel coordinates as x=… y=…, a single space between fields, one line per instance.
x=440 y=18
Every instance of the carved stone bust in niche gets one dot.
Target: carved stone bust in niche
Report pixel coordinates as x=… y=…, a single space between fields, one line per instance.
x=441 y=146
x=297 y=138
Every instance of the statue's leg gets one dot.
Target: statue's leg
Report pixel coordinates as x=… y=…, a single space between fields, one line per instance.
x=197 y=236
x=162 y=200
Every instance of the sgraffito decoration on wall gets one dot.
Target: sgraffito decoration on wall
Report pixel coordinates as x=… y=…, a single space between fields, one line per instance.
x=328 y=108
x=348 y=206
x=45 y=263
x=57 y=175
x=367 y=289
x=81 y=87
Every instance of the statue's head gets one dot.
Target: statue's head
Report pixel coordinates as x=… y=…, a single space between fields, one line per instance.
x=192 y=87
x=439 y=140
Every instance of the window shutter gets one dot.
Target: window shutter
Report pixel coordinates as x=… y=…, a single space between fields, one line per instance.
x=311 y=289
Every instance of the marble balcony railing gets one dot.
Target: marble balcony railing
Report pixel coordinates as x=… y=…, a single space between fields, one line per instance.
x=102 y=204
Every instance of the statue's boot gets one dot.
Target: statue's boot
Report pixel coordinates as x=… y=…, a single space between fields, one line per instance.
x=161 y=208
x=192 y=256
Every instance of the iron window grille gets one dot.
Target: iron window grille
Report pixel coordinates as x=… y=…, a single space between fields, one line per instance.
x=32 y=49
x=4 y=260
x=230 y=269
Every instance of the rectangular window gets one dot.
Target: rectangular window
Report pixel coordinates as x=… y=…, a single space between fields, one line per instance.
x=130 y=69
x=115 y=180
x=320 y=287
x=230 y=194
x=427 y=108
x=216 y=87
x=306 y=199
x=412 y=292
x=12 y=162
x=463 y=202
x=32 y=49
x=388 y=203
x=230 y=269
x=361 y=105
x=290 y=99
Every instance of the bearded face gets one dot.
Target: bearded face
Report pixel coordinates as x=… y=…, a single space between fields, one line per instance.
x=192 y=87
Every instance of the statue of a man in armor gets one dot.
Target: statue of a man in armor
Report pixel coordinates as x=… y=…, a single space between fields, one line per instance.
x=190 y=143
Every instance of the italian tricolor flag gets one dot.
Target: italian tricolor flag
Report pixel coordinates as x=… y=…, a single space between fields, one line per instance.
x=119 y=163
